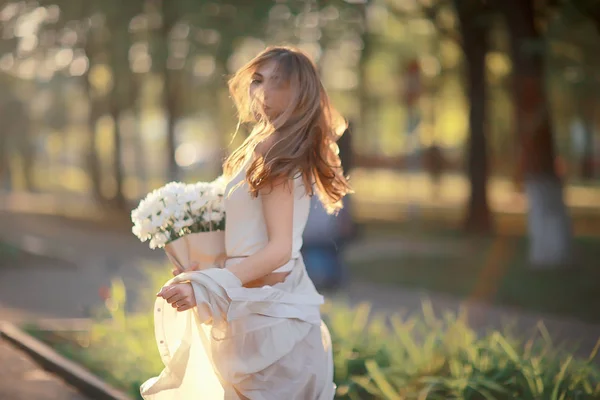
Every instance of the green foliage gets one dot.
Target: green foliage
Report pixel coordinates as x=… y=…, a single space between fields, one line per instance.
x=425 y=357
x=376 y=357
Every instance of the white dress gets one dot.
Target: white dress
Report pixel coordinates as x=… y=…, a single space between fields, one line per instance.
x=246 y=343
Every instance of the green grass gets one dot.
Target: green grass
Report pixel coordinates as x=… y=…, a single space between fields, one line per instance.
x=420 y=357
x=492 y=269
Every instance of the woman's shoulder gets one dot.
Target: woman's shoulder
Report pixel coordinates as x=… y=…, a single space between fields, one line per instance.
x=263 y=147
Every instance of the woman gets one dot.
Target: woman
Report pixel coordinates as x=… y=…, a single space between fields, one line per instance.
x=260 y=328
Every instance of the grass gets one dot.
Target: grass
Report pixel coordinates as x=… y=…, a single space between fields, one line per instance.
x=490 y=269
x=376 y=357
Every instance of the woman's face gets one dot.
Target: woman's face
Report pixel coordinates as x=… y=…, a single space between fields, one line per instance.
x=269 y=91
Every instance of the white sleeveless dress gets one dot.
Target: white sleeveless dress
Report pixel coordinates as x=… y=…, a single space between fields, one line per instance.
x=246 y=343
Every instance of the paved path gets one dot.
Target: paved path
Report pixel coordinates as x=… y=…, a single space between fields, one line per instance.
x=22 y=379
x=70 y=290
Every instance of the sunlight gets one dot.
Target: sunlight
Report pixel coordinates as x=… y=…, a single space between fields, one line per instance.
x=204 y=66
x=63 y=57
x=186 y=154
x=79 y=66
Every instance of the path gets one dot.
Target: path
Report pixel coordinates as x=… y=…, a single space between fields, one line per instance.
x=22 y=379
x=70 y=290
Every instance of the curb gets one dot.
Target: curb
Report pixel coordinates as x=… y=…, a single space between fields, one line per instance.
x=83 y=380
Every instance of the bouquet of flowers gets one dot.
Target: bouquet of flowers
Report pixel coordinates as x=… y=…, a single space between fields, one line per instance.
x=187 y=220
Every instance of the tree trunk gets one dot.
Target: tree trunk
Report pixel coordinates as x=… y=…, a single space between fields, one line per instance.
x=115 y=113
x=91 y=48
x=120 y=99
x=587 y=105
x=475 y=46
x=93 y=164
x=169 y=92
x=587 y=158
x=548 y=220
x=362 y=87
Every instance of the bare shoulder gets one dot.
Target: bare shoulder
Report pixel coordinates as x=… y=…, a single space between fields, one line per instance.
x=263 y=147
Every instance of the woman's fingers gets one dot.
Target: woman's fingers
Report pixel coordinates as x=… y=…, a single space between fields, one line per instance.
x=167 y=291
x=180 y=296
x=175 y=297
x=184 y=307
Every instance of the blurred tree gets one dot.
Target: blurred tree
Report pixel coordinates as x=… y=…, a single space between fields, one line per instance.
x=123 y=94
x=589 y=8
x=474 y=23
x=587 y=102
x=549 y=223
x=170 y=12
x=91 y=48
x=15 y=142
x=474 y=19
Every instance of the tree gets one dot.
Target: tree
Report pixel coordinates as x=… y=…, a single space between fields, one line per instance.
x=474 y=17
x=589 y=9
x=122 y=95
x=548 y=221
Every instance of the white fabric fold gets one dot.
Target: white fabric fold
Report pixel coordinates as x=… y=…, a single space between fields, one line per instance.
x=239 y=343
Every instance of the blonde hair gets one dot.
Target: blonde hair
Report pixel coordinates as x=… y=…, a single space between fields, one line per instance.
x=302 y=139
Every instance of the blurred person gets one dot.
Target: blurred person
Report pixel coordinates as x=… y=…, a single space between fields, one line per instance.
x=326 y=235
x=435 y=164
x=266 y=337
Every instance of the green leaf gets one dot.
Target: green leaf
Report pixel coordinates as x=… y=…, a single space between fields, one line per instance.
x=561 y=377
x=377 y=375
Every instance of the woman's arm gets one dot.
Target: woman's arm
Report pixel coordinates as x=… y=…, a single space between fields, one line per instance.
x=278 y=210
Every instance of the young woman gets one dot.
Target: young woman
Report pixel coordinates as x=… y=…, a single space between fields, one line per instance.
x=261 y=325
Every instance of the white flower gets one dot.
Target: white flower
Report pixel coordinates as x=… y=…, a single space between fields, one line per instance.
x=201 y=187
x=159 y=240
x=137 y=231
x=147 y=228
x=216 y=216
x=144 y=210
x=177 y=206
x=152 y=207
x=212 y=217
x=217 y=205
x=144 y=229
x=159 y=221
x=188 y=196
x=173 y=188
x=219 y=183
x=197 y=204
x=179 y=225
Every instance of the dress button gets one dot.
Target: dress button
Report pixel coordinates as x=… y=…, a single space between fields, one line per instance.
x=158 y=309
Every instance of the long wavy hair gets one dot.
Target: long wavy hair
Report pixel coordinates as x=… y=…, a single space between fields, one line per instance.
x=301 y=140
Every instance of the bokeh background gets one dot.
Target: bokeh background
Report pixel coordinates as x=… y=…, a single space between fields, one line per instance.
x=474 y=146
x=457 y=108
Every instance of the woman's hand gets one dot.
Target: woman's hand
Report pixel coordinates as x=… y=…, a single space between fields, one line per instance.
x=193 y=267
x=179 y=295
